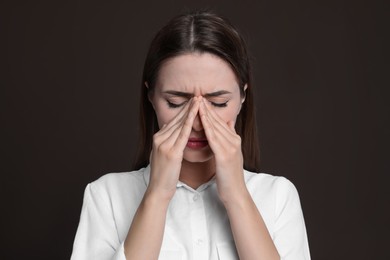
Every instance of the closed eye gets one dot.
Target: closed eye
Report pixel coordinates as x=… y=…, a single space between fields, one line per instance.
x=219 y=104
x=175 y=105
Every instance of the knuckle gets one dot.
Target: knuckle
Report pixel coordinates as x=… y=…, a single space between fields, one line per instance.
x=237 y=141
x=172 y=155
x=163 y=148
x=156 y=138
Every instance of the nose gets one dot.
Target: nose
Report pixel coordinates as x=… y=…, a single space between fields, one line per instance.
x=197 y=125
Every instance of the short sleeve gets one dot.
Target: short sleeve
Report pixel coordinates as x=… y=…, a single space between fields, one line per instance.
x=290 y=235
x=96 y=236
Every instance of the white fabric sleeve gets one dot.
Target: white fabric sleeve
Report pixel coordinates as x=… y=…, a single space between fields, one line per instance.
x=290 y=235
x=96 y=236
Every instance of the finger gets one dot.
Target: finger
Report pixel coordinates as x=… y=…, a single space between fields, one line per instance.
x=222 y=141
x=209 y=129
x=176 y=121
x=166 y=132
x=185 y=132
x=169 y=137
x=215 y=118
x=180 y=115
x=222 y=135
x=218 y=124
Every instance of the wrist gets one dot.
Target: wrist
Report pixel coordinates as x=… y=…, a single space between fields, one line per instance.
x=158 y=196
x=237 y=197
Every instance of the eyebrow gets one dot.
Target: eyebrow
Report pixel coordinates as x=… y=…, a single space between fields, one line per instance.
x=190 y=95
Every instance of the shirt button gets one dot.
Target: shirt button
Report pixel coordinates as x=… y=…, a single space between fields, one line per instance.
x=199 y=242
x=196 y=197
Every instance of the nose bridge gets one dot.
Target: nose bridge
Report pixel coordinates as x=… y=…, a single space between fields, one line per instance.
x=197 y=125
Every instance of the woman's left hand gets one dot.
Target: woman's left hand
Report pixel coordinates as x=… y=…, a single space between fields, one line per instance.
x=226 y=146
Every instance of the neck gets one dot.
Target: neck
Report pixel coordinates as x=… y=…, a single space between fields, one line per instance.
x=195 y=174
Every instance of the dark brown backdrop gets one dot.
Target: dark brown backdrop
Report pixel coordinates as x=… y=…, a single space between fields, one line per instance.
x=70 y=74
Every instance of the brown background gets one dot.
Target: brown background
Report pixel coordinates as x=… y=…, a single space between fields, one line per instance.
x=70 y=76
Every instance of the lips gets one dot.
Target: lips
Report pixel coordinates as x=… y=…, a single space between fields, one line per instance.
x=197 y=143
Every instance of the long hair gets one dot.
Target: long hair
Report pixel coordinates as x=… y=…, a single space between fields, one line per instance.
x=199 y=32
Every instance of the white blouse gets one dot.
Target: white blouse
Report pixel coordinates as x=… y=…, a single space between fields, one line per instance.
x=197 y=226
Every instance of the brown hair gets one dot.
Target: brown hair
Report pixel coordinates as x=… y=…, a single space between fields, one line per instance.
x=199 y=32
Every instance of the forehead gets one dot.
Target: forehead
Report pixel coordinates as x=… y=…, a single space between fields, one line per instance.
x=196 y=73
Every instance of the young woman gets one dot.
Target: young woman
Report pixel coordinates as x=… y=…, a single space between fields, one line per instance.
x=193 y=193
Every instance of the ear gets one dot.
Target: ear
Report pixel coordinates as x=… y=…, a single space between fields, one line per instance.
x=243 y=98
x=149 y=93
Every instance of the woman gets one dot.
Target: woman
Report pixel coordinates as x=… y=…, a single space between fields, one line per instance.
x=192 y=195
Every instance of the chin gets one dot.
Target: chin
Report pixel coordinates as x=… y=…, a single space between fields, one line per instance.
x=198 y=156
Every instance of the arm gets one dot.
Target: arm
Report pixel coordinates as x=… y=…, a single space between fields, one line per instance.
x=97 y=235
x=146 y=232
x=289 y=231
x=250 y=234
x=147 y=229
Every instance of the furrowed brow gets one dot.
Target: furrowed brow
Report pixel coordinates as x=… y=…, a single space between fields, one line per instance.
x=179 y=93
x=217 y=93
x=190 y=95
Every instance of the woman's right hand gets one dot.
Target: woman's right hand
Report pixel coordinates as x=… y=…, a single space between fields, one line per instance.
x=146 y=232
x=168 y=149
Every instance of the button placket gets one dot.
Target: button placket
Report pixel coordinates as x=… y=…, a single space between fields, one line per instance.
x=199 y=228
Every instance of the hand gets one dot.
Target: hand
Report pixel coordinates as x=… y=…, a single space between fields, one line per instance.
x=167 y=151
x=226 y=146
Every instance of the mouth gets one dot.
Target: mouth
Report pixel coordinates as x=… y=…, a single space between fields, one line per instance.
x=197 y=143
